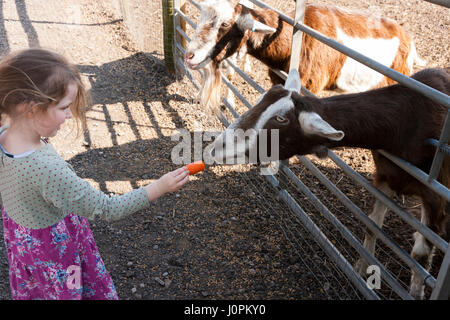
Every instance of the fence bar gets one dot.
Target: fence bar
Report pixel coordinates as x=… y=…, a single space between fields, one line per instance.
x=427 y=91
x=444 y=3
x=444 y=148
x=442 y=289
x=418 y=174
x=192 y=24
x=238 y=94
x=323 y=241
x=229 y=107
x=183 y=34
x=370 y=224
x=404 y=215
x=250 y=81
x=223 y=119
x=439 y=155
x=347 y=234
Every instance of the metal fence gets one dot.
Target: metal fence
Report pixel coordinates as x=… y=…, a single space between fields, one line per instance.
x=325 y=222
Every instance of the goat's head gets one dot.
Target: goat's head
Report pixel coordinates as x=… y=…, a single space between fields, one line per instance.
x=300 y=129
x=221 y=32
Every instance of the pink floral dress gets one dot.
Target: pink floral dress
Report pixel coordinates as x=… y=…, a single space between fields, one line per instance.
x=58 y=262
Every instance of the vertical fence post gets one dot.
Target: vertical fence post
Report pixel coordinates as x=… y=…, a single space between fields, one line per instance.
x=168 y=34
x=442 y=289
x=297 y=34
x=439 y=155
x=181 y=23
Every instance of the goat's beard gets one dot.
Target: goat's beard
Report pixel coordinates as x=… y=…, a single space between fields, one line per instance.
x=209 y=94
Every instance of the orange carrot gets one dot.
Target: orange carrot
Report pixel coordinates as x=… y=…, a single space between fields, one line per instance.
x=195 y=167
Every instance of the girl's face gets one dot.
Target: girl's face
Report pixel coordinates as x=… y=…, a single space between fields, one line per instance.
x=49 y=122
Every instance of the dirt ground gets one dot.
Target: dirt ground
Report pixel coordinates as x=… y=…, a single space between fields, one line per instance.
x=223 y=236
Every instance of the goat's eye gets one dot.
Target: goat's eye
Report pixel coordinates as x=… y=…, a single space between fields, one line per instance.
x=225 y=24
x=281 y=119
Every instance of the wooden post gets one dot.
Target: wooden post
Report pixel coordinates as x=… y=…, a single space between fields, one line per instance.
x=168 y=34
x=181 y=23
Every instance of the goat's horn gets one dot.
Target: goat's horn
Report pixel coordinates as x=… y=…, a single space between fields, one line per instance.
x=261 y=27
x=293 y=81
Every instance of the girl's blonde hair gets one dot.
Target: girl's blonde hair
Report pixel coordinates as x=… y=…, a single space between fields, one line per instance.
x=39 y=77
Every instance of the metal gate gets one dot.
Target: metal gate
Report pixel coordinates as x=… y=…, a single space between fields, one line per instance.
x=289 y=188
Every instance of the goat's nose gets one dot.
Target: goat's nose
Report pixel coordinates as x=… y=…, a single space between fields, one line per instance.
x=189 y=55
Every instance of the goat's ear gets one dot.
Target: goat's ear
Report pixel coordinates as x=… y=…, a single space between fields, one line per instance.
x=293 y=81
x=312 y=123
x=246 y=22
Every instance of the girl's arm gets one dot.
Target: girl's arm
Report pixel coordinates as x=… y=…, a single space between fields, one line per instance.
x=65 y=190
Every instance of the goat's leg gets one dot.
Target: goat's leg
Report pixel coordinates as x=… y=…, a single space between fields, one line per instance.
x=229 y=72
x=421 y=253
x=247 y=64
x=377 y=215
x=243 y=56
x=432 y=216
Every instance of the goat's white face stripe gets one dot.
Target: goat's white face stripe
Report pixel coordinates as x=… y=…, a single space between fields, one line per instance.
x=356 y=77
x=281 y=107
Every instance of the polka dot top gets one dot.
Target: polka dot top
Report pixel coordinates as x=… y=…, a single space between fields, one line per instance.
x=39 y=189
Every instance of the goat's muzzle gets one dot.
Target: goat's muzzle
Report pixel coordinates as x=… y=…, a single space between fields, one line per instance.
x=188 y=60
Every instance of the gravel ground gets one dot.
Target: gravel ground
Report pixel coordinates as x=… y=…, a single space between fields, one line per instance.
x=222 y=236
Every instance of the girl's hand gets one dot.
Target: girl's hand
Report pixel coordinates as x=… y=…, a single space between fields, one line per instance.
x=174 y=180
x=169 y=182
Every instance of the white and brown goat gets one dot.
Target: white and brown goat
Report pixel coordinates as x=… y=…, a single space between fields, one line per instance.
x=224 y=30
x=393 y=118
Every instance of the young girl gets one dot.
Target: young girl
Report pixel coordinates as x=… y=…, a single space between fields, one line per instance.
x=51 y=250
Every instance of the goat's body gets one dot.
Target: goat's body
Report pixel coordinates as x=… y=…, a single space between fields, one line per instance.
x=398 y=120
x=223 y=30
x=394 y=118
x=322 y=67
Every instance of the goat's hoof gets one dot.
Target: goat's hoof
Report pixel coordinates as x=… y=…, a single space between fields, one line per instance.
x=417 y=295
x=361 y=267
x=417 y=291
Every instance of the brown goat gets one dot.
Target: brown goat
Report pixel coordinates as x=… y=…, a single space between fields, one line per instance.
x=224 y=30
x=394 y=118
